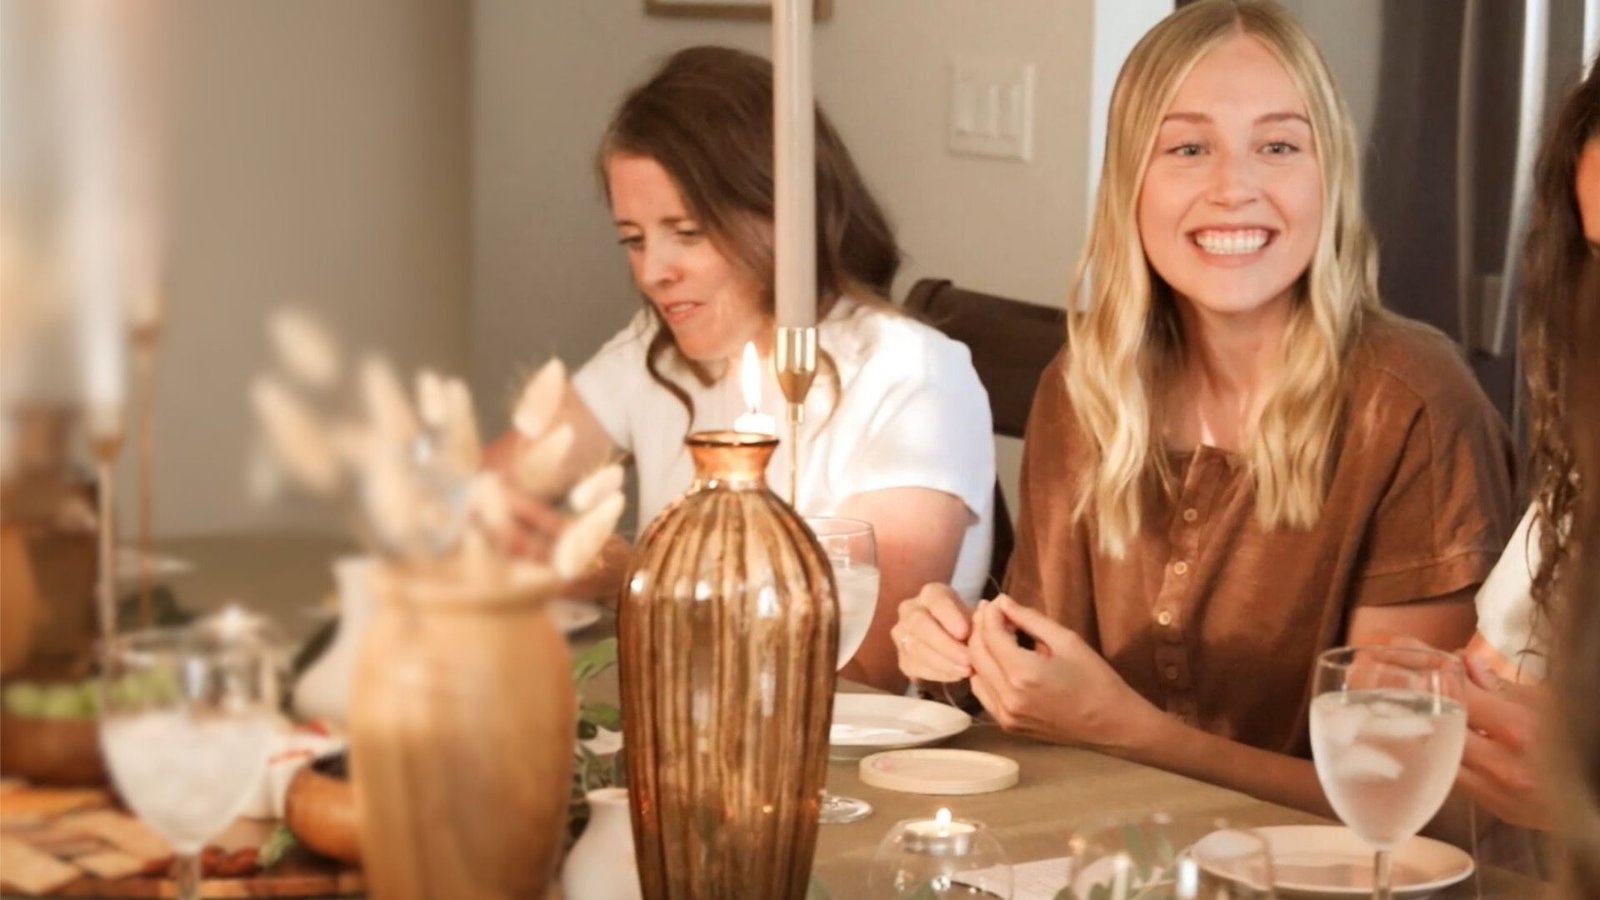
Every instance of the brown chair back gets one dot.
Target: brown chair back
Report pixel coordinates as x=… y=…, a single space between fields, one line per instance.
x=1011 y=344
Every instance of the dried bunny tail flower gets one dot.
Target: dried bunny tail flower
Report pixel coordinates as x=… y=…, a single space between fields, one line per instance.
x=533 y=576
x=462 y=442
x=263 y=475
x=389 y=498
x=598 y=485
x=490 y=503
x=541 y=399
x=583 y=537
x=298 y=440
x=538 y=466
x=304 y=348
x=386 y=402
x=350 y=440
x=432 y=405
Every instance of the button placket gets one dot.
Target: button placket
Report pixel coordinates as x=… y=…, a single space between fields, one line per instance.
x=1177 y=581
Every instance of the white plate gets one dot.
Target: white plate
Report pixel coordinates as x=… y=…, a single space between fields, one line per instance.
x=867 y=723
x=1329 y=861
x=573 y=616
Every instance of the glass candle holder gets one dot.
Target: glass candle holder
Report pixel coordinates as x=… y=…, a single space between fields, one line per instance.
x=1153 y=857
x=941 y=857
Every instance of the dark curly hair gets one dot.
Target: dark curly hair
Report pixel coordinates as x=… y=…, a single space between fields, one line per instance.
x=1576 y=670
x=1554 y=260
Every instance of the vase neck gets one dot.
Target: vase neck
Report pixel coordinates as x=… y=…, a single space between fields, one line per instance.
x=731 y=458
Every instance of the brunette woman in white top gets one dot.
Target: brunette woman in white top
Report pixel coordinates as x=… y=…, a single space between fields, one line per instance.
x=897 y=428
x=1502 y=766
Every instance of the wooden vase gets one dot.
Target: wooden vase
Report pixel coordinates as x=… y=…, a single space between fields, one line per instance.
x=462 y=722
x=728 y=641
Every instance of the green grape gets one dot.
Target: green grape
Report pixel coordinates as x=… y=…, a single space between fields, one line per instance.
x=89 y=698
x=123 y=693
x=61 y=701
x=23 y=698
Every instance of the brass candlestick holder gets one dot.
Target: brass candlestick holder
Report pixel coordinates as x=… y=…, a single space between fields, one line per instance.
x=795 y=358
x=105 y=447
x=146 y=342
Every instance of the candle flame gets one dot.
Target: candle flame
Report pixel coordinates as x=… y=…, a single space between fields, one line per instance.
x=750 y=377
x=942 y=819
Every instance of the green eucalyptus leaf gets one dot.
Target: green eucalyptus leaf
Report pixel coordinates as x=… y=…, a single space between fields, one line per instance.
x=593 y=661
x=1139 y=852
x=590 y=771
x=605 y=715
x=276 y=847
x=1165 y=855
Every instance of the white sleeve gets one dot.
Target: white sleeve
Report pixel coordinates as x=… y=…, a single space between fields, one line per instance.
x=932 y=428
x=1507 y=618
x=613 y=375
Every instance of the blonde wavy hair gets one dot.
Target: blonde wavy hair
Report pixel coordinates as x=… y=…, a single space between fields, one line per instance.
x=1125 y=348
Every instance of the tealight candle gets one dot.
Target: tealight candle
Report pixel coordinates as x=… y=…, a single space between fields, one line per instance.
x=752 y=420
x=940 y=835
x=941 y=856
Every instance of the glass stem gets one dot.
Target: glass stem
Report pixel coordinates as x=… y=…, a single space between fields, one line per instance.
x=186 y=868
x=1380 y=876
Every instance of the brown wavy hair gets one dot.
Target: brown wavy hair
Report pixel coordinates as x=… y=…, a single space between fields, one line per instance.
x=1575 y=667
x=706 y=117
x=1554 y=260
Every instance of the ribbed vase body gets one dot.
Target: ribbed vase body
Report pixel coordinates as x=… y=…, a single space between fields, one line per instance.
x=729 y=638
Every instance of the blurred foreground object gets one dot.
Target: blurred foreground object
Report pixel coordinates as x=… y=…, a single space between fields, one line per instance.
x=47 y=528
x=82 y=220
x=461 y=791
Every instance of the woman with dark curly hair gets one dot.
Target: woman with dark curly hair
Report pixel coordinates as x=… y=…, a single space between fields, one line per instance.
x=1575 y=679
x=1516 y=606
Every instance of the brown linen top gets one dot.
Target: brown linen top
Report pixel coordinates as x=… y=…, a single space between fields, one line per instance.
x=1218 y=621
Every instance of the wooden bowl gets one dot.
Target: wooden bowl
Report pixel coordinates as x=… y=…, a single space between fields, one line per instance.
x=320 y=809
x=51 y=751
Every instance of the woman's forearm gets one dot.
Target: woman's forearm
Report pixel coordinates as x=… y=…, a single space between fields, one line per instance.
x=1168 y=743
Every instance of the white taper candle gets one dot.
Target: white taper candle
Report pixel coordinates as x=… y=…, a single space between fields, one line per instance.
x=794 y=133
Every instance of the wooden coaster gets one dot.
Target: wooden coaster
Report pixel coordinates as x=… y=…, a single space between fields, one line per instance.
x=939 y=771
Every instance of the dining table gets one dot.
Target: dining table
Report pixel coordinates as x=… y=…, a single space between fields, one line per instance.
x=1059 y=790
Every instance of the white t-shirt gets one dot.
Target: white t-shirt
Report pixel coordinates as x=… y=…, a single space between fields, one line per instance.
x=1507 y=618
x=910 y=413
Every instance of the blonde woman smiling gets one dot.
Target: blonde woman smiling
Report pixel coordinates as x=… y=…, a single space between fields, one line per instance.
x=1240 y=459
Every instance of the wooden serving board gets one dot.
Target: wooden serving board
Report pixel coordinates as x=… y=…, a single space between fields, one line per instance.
x=62 y=829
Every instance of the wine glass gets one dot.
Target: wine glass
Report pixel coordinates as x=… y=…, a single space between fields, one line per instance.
x=853 y=551
x=187 y=717
x=1388 y=725
x=1152 y=857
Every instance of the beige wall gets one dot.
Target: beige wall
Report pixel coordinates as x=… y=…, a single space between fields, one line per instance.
x=322 y=155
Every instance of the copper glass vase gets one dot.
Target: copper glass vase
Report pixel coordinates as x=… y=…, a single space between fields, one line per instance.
x=729 y=633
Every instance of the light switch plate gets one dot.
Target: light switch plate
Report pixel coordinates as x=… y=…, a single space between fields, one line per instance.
x=991 y=108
